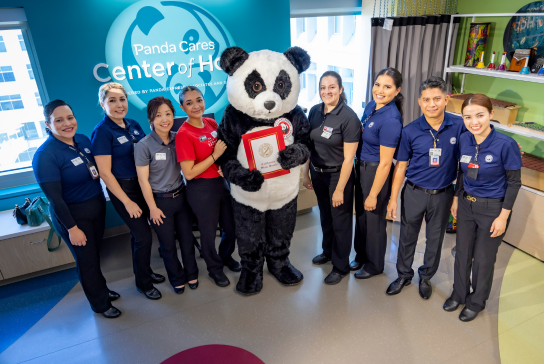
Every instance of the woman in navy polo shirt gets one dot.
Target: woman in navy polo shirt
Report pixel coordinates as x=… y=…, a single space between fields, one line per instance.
x=382 y=126
x=335 y=132
x=487 y=186
x=207 y=192
x=113 y=142
x=66 y=172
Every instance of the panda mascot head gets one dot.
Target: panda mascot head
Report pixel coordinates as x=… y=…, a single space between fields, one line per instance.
x=264 y=84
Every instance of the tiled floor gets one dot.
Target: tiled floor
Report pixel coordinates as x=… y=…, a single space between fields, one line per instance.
x=353 y=321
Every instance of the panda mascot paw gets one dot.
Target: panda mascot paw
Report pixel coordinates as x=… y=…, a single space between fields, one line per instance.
x=263 y=88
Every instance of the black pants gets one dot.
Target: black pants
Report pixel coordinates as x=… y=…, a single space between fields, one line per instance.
x=476 y=252
x=178 y=221
x=212 y=204
x=371 y=239
x=336 y=222
x=141 y=238
x=416 y=205
x=90 y=217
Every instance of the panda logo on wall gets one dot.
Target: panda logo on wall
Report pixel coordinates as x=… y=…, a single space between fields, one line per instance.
x=263 y=88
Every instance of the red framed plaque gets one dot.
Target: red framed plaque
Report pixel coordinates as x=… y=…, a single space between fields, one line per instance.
x=262 y=148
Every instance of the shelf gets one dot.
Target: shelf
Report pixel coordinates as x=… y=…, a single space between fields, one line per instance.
x=508 y=75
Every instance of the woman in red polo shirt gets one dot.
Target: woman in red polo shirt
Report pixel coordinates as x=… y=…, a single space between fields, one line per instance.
x=207 y=192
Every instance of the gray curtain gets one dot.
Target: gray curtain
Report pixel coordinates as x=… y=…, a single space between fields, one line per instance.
x=416 y=46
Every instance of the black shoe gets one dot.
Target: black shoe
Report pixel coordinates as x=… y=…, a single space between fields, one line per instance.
x=220 y=279
x=467 y=315
x=111 y=313
x=114 y=295
x=157 y=278
x=233 y=265
x=334 y=278
x=193 y=285
x=425 y=289
x=450 y=305
x=363 y=274
x=355 y=265
x=179 y=290
x=397 y=286
x=321 y=259
x=152 y=294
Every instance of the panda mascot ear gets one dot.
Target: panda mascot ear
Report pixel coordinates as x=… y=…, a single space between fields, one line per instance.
x=299 y=58
x=232 y=58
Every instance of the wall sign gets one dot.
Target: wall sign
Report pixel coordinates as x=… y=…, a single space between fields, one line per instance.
x=155 y=48
x=523 y=32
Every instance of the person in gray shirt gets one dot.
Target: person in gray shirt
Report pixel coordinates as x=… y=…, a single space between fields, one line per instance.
x=164 y=191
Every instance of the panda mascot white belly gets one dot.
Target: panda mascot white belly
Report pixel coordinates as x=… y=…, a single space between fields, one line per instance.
x=263 y=88
x=275 y=192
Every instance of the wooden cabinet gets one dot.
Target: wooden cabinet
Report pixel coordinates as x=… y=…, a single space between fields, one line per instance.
x=28 y=253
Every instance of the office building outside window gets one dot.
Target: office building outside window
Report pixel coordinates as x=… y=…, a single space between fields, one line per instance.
x=22 y=128
x=338 y=43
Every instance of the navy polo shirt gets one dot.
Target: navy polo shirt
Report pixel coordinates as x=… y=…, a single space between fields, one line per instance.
x=56 y=161
x=108 y=138
x=415 y=142
x=498 y=153
x=382 y=128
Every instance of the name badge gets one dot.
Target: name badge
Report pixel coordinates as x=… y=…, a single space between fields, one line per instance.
x=328 y=129
x=93 y=171
x=160 y=156
x=214 y=134
x=465 y=159
x=122 y=139
x=77 y=161
x=435 y=152
x=203 y=138
x=326 y=135
x=472 y=171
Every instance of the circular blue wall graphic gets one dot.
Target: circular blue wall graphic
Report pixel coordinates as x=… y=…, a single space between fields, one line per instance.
x=155 y=48
x=523 y=32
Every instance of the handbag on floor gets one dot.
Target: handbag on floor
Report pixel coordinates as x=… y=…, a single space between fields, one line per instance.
x=37 y=213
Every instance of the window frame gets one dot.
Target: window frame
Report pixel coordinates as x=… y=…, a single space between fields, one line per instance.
x=25 y=175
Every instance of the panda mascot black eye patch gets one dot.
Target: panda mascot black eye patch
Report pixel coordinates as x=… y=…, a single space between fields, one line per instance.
x=254 y=84
x=263 y=88
x=283 y=85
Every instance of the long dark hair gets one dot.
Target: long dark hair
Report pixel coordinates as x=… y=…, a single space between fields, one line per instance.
x=343 y=97
x=397 y=80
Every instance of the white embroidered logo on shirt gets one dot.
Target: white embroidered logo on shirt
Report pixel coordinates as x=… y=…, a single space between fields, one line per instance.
x=214 y=134
x=489 y=158
x=136 y=132
x=453 y=140
x=87 y=151
x=371 y=124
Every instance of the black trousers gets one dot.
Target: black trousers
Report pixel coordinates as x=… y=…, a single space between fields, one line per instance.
x=211 y=202
x=476 y=252
x=371 y=238
x=178 y=221
x=336 y=222
x=140 y=231
x=90 y=217
x=416 y=205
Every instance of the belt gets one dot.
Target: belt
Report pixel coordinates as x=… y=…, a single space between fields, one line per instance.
x=472 y=198
x=430 y=192
x=365 y=164
x=127 y=179
x=327 y=169
x=173 y=194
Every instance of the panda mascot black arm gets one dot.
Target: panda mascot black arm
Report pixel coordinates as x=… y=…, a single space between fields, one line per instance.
x=235 y=123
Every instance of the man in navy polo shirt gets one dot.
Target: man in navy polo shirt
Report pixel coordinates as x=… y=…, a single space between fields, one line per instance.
x=427 y=157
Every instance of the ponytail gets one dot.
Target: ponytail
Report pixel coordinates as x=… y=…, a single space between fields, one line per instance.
x=399 y=101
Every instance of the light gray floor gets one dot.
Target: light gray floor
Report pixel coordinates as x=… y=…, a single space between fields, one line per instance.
x=353 y=321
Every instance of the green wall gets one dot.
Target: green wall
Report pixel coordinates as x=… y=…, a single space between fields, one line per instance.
x=526 y=94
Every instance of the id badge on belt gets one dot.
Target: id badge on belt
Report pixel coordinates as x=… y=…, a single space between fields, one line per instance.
x=434 y=157
x=93 y=170
x=473 y=168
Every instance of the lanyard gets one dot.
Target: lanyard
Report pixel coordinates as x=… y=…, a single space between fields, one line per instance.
x=75 y=149
x=368 y=117
x=478 y=147
x=434 y=139
x=127 y=129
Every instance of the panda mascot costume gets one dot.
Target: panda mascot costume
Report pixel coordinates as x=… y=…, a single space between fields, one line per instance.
x=263 y=88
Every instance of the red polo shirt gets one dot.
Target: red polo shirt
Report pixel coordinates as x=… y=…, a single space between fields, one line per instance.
x=196 y=144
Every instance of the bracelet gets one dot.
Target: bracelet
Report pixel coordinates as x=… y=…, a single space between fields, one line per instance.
x=213 y=157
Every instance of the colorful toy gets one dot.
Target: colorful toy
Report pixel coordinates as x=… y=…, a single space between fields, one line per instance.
x=502 y=66
x=525 y=70
x=491 y=66
x=477 y=41
x=481 y=64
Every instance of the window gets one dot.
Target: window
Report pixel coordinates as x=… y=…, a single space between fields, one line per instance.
x=313 y=66
x=30 y=131
x=2 y=45
x=27 y=155
x=6 y=74
x=38 y=98
x=348 y=90
x=22 y=43
x=30 y=72
x=303 y=81
x=303 y=25
x=11 y=102
x=337 y=24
